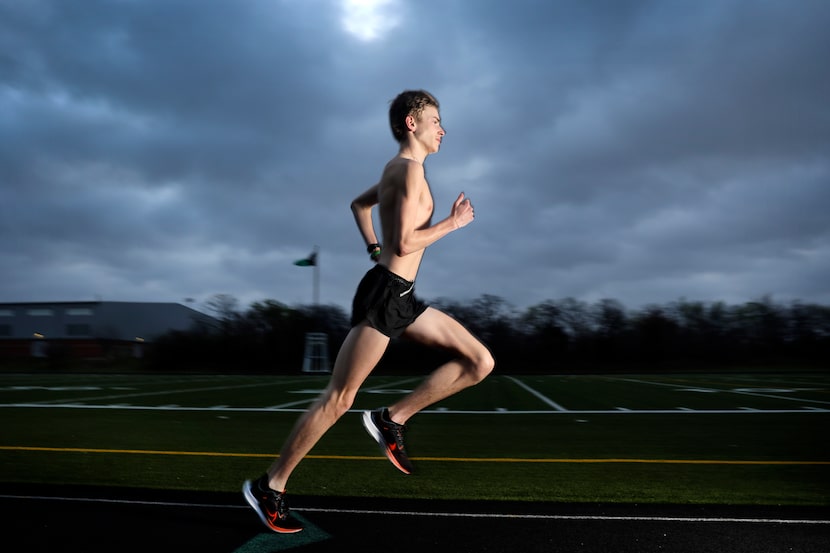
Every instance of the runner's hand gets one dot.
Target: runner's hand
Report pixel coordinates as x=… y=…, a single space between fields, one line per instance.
x=462 y=211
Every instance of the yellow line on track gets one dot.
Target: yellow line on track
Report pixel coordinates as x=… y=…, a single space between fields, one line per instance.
x=435 y=459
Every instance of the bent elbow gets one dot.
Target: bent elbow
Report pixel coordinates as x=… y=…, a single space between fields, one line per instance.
x=404 y=248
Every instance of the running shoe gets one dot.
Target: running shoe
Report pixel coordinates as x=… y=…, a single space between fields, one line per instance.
x=389 y=435
x=270 y=506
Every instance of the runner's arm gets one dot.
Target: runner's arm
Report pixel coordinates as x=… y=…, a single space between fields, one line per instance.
x=412 y=237
x=362 y=210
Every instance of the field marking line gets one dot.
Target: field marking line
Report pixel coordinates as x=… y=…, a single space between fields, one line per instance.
x=58 y=402
x=537 y=394
x=71 y=402
x=438 y=514
x=515 y=460
x=378 y=387
x=725 y=390
x=639 y=518
x=438 y=411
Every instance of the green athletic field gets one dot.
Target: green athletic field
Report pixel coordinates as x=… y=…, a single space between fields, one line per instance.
x=730 y=438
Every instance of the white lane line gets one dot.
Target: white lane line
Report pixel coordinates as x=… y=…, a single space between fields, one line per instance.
x=568 y=517
x=314 y=398
x=679 y=411
x=438 y=514
x=538 y=395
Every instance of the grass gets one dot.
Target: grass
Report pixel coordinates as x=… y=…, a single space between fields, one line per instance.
x=529 y=452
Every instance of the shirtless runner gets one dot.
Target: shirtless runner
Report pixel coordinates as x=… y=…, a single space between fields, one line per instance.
x=385 y=307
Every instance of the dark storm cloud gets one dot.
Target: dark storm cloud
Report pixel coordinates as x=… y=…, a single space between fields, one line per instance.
x=643 y=151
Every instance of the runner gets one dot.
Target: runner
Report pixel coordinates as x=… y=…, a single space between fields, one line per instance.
x=385 y=306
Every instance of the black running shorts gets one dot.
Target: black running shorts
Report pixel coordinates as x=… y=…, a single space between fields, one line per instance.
x=387 y=301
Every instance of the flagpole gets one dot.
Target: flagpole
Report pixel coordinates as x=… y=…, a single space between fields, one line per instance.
x=316 y=291
x=311 y=261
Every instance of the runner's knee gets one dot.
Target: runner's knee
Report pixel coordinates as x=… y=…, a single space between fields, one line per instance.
x=338 y=402
x=482 y=364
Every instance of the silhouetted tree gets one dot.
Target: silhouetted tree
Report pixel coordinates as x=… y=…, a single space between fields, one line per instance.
x=561 y=335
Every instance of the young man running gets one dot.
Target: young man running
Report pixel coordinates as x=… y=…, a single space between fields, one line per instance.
x=385 y=307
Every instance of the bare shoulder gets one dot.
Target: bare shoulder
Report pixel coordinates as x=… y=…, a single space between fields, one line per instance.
x=402 y=173
x=401 y=168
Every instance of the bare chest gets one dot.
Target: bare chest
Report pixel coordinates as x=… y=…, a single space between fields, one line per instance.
x=426 y=207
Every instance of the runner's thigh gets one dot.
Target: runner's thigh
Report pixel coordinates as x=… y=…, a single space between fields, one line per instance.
x=437 y=329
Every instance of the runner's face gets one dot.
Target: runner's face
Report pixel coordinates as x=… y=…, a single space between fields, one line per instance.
x=428 y=129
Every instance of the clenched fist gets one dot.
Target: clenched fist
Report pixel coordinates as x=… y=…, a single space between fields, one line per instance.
x=462 y=211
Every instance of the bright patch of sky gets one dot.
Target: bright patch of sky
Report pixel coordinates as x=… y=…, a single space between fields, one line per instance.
x=369 y=20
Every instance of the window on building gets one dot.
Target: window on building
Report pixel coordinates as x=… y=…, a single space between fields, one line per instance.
x=79 y=312
x=40 y=312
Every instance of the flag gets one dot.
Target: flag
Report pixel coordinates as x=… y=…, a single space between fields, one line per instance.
x=309 y=261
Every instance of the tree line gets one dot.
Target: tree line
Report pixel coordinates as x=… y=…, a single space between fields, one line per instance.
x=566 y=335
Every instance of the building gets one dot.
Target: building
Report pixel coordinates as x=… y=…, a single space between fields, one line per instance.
x=91 y=329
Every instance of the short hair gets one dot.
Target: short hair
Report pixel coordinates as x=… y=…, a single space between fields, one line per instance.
x=408 y=102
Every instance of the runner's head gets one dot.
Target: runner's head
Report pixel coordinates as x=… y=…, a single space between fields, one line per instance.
x=408 y=102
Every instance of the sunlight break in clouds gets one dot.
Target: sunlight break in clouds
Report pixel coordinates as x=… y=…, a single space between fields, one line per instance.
x=369 y=20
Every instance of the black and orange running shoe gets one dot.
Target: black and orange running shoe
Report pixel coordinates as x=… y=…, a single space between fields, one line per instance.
x=270 y=506
x=389 y=435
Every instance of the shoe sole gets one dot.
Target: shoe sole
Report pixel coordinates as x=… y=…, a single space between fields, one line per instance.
x=373 y=431
x=252 y=501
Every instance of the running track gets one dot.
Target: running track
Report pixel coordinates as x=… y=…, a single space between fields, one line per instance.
x=97 y=520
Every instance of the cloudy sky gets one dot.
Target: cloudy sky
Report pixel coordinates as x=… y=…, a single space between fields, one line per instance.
x=645 y=151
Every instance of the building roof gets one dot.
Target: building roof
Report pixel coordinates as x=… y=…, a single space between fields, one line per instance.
x=110 y=320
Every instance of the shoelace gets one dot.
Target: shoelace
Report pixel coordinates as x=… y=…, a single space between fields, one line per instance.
x=398 y=430
x=282 y=504
x=279 y=501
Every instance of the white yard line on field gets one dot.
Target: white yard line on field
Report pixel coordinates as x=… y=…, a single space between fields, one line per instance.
x=439 y=411
x=537 y=394
x=155 y=393
x=726 y=391
x=314 y=397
